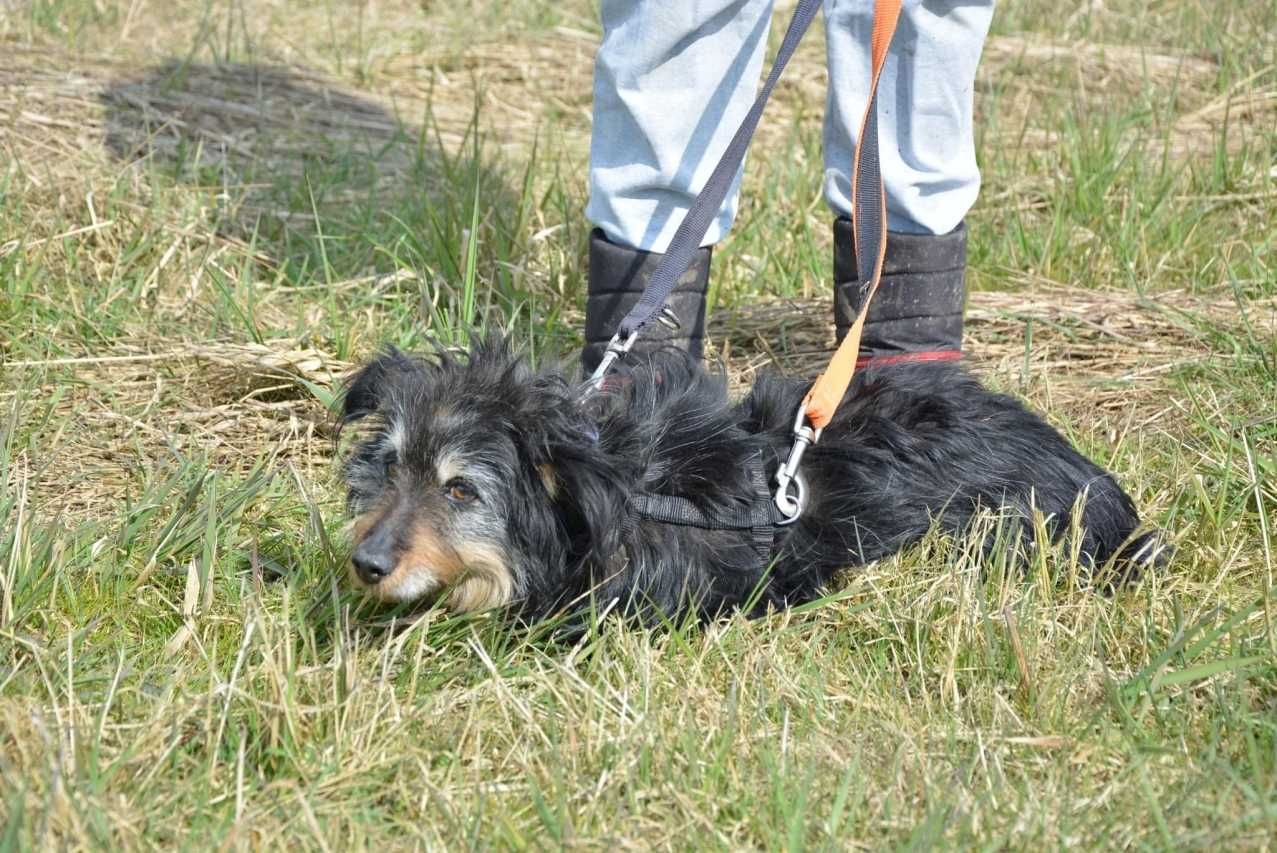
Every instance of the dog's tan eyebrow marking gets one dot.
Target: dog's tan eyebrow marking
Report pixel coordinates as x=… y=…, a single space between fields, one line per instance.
x=449 y=466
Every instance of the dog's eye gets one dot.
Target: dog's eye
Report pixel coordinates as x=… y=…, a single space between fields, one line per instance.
x=460 y=491
x=392 y=467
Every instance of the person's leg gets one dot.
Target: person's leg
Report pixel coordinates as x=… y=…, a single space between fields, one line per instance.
x=925 y=104
x=672 y=81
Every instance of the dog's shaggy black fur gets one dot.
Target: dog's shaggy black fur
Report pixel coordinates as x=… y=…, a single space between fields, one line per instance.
x=488 y=483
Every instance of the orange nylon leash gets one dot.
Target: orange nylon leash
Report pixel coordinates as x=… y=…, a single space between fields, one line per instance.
x=870 y=232
x=827 y=392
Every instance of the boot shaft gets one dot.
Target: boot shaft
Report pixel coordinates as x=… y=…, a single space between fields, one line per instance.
x=919 y=303
x=617 y=276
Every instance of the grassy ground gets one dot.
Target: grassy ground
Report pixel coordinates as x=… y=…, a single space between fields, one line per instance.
x=209 y=209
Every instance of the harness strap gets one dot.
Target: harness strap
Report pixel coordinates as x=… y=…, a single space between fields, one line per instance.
x=759 y=516
x=908 y=357
x=676 y=509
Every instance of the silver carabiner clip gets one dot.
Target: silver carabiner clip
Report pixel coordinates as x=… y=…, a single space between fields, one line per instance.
x=615 y=349
x=791 y=506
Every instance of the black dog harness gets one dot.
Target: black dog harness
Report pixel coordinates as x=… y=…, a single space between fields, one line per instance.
x=760 y=516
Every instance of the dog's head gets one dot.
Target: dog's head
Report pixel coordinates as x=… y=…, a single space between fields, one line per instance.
x=478 y=481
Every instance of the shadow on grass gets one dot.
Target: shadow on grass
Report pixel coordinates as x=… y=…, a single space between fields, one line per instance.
x=324 y=183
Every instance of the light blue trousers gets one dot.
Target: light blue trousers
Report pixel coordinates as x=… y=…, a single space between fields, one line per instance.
x=674 y=78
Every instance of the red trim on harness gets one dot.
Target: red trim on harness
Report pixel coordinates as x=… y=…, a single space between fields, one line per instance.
x=932 y=355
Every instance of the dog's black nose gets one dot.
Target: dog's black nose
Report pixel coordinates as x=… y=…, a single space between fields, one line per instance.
x=372 y=561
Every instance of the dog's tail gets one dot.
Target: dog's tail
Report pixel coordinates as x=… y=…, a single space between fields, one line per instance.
x=1147 y=552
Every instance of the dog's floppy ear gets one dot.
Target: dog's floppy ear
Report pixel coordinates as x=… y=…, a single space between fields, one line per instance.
x=575 y=472
x=367 y=389
x=595 y=503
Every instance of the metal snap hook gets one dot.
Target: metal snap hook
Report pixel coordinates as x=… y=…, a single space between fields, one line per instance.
x=792 y=506
x=615 y=349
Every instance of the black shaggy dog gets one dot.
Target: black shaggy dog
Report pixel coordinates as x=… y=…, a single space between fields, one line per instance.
x=490 y=484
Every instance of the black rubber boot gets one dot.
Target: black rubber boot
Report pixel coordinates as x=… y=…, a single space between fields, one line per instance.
x=618 y=275
x=918 y=307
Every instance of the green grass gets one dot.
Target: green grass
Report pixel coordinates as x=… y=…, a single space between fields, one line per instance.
x=181 y=661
